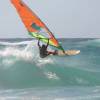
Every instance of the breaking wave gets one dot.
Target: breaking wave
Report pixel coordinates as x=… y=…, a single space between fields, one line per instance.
x=21 y=67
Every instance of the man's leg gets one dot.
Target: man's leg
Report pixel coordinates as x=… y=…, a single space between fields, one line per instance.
x=53 y=53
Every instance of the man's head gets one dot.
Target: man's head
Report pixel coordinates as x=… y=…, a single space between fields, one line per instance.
x=43 y=46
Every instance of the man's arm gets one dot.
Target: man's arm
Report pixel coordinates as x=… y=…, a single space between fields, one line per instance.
x=47 y=43
x=39 y=43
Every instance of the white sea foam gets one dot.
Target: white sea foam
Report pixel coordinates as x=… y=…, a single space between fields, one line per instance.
x=15 y=43
x=11 y=51
x=51 y=75
x=30 y=53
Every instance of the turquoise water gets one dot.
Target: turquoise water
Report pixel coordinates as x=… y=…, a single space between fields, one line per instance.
x=24 y=75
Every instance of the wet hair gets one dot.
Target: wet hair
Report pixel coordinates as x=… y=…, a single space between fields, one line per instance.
x=43 y=46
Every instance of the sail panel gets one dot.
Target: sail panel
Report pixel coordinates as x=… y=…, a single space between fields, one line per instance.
x=33 y=23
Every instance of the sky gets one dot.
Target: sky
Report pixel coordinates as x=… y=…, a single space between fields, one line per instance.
x=65 y=18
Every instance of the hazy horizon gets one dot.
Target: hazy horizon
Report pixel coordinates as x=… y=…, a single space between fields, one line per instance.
x=66 y=19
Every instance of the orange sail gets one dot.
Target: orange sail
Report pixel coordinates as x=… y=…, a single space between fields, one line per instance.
x=33 y=23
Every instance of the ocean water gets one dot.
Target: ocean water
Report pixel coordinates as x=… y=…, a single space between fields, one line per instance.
x=26 y=76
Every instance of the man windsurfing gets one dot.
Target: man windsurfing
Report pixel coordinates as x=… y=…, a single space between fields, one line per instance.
x=43 y=50
x=35 y=26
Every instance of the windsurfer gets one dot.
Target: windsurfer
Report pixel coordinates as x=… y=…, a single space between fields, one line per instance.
x=43 y=50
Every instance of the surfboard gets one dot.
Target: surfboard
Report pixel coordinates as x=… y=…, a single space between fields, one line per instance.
x=68 y=52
